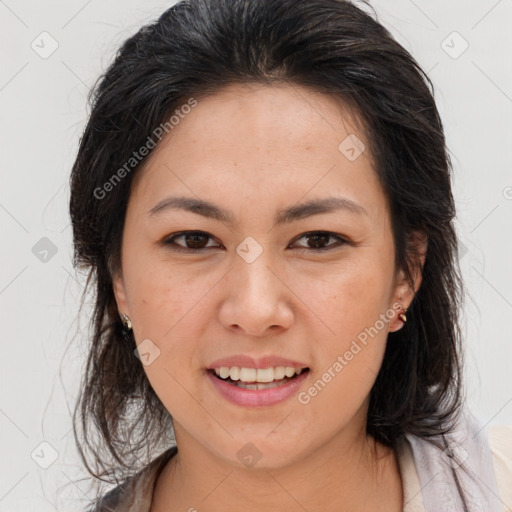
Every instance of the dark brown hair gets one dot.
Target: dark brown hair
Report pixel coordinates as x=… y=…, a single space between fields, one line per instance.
x=194 y=49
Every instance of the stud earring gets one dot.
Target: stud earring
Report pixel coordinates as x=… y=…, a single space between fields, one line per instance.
x=402 y=316
x=126 y=322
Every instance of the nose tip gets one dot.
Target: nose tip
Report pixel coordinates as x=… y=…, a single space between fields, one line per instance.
x=256 y=303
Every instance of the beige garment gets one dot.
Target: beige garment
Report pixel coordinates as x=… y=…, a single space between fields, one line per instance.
x=500 y=443
x=136 y=494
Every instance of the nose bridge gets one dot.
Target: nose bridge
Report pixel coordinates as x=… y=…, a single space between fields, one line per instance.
x=254 y=277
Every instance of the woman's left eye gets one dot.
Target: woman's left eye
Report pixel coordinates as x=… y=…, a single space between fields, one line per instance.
x=321 y=237
x=195 y=241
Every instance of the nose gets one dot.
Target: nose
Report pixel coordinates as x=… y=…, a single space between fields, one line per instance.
x=257 y=299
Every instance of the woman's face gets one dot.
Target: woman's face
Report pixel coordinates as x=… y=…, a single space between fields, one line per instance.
x=259 y=286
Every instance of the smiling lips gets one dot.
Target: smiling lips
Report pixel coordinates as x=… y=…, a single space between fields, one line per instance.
x=268 y=380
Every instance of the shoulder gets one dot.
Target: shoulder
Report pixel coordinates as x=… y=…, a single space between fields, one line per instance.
x=109 y=502
x=135 y=494
x=420 y=464
x=500 y=444
x=112 y=500
x=411 y=487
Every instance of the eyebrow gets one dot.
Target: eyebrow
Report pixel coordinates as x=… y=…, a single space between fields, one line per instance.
x=286 y=216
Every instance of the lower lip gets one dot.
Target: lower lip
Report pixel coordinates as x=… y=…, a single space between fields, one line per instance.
x=254 y=397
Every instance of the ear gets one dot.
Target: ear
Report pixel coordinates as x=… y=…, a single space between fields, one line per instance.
x=120 y=294
x=417 y=249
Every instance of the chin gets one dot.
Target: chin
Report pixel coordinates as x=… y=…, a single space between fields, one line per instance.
x=259 y=453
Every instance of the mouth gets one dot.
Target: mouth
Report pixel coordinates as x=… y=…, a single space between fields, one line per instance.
x=257 y=379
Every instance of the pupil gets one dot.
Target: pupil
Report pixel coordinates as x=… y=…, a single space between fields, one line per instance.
x=194 y=237
x=323 y=238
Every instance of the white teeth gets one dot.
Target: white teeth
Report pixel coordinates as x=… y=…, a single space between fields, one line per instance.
x=248 y=374
x=224 y=372
x=257 y=375
x=265 y=375
x=279 y=372
x=289 y=372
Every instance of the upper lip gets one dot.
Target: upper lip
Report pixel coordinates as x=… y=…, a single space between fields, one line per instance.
x=244 y=361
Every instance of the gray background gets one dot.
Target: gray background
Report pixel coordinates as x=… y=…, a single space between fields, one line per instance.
x=43 y=112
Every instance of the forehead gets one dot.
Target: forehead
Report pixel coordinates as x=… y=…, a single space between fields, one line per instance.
x=261 y=143
x=272 y=117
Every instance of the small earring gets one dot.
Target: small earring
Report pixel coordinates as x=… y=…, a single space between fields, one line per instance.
x=126 y=322
x=402 y=316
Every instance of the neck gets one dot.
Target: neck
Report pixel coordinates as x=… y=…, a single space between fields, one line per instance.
x=348 y=473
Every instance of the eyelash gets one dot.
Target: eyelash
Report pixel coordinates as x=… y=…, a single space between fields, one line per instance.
x=169 y=242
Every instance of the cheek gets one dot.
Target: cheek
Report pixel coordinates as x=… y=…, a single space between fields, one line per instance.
x=164 y=298
x=351 y=338
x=167 y=309
x=172 y=315
x=350 y=356
x=346 y=298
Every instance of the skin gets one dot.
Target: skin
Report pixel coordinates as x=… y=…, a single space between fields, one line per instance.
x=253 y=150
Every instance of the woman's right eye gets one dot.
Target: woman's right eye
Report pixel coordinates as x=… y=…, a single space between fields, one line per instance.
x=194 y=240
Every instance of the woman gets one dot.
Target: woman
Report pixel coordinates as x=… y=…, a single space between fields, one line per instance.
x=262 y=196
